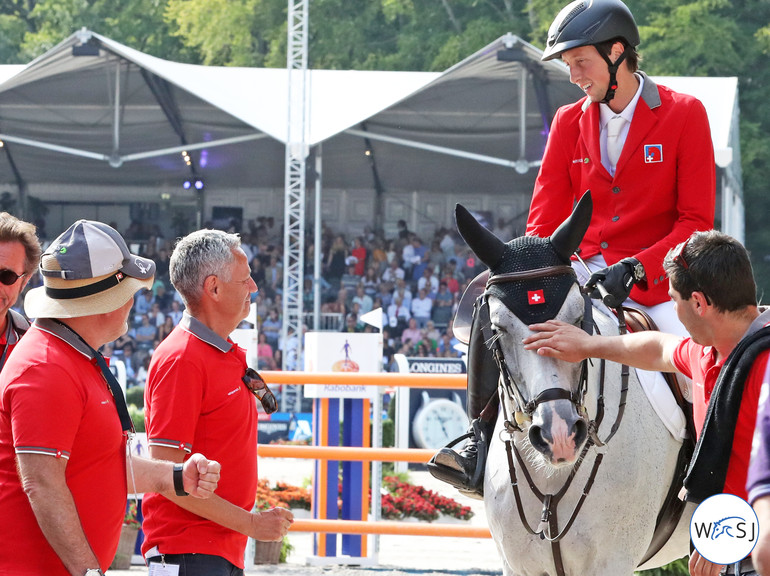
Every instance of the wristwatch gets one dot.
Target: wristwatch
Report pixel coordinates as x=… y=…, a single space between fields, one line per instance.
x=179 y=480
x=93 y=572
x=636 y=269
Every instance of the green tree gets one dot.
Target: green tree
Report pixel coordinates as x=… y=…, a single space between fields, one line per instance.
x=231 y=32
x=680 y=38
x=136 y=23
x=383 y=34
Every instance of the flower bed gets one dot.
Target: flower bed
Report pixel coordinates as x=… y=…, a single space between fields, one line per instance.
x=283 y=495
x=404 y=500
x=400 y=500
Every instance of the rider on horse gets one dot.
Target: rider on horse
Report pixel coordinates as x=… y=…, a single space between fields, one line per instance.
x=650 y=193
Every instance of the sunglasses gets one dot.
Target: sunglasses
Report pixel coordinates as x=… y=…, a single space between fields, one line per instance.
x=9 y=277
x=678 y=255
x=258 y=387
x=253 y=380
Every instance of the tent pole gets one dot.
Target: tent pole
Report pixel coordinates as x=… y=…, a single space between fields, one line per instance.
x=317 y=239
x=116 y=114
x=437 y=149
x=523 y=73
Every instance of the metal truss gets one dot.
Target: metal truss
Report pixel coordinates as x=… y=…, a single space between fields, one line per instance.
x=294 y=199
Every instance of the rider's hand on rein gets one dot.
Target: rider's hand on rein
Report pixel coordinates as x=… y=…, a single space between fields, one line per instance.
x=616 y=281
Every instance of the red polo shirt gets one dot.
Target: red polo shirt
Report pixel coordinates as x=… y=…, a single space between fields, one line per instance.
x=196 y=401
x=699 y=363
x=54 y=401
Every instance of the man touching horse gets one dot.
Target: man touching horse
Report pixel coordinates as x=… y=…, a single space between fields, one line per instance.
x=714 y=294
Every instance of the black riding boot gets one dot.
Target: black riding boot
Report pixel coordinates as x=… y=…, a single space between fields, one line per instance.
x=465 y=469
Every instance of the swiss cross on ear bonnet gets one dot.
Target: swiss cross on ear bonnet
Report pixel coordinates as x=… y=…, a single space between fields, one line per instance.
x=87 y=270
x=535 y=299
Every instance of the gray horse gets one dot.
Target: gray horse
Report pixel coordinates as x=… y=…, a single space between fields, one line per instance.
x=572 y=486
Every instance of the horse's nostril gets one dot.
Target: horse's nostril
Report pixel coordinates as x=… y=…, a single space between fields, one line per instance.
x=537 y=439
x=580 y=431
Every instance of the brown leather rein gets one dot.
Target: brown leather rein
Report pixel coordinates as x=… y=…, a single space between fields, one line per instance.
x=548 y=528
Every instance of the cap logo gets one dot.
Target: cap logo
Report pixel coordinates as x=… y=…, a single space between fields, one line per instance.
x=143 y=268
x=62 y=249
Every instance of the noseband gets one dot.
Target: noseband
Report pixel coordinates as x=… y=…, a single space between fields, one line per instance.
x=549 y=528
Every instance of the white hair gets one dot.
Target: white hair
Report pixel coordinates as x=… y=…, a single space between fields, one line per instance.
x=199 y=255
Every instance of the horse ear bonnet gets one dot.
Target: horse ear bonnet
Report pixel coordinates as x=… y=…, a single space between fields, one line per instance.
x=538 y=299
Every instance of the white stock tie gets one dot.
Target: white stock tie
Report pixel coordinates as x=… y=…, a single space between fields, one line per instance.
x=614 y=144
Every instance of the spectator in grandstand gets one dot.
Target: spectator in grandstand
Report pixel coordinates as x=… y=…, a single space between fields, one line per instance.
x=271 y=327
x=393 y=272
x=144 y=334
x=265 y=353
x=165 y=328
x=412 y=333
x=364 y=301
x=442 y=305
x=422 y=307
x=428 y=282
x=371 y=281
x=143 y=304
x=335 y=261
x=176 y=312
x=402 y=291
x=359 y=253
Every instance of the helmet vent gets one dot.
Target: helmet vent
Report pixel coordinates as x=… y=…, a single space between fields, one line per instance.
x=574 y=12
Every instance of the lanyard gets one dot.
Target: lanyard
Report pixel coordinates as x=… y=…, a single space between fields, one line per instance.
x=8 y=333
x=112 y=382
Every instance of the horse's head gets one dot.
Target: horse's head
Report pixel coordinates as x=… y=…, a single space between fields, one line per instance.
x=531 y=281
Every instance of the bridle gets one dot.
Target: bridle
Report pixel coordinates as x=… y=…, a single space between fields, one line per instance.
x=548 y=528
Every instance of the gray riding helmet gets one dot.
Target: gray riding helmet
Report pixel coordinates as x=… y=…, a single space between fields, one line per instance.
x=589 y=22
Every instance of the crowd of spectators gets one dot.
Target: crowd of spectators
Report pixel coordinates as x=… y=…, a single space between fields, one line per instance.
x=416 y=283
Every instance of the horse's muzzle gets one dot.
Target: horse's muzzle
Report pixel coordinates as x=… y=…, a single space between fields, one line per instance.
x=558 y=432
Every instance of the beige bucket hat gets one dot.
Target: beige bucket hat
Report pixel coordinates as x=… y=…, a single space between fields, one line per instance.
x=87 y=270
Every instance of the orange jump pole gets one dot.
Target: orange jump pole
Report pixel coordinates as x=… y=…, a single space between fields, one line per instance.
x=389 y=527
x=389 y=379
x=347 y=453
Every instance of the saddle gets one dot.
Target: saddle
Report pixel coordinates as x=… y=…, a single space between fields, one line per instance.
x=673 y=506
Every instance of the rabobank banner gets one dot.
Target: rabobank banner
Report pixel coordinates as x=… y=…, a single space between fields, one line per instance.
x=342 y=352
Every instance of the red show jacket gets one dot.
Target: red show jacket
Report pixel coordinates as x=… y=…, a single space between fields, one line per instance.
x=663 y=189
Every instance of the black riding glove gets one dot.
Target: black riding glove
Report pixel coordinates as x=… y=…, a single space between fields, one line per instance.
x=617 y=281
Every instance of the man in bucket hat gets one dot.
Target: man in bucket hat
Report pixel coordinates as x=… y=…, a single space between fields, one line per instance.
x=64 y=474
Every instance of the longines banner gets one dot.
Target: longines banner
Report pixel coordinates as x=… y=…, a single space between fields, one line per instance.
x=411 y=400
x=436 y=365
x=342 y=352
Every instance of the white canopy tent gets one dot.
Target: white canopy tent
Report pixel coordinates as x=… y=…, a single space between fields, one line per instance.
x=95 y=119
